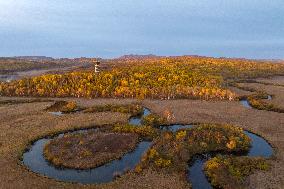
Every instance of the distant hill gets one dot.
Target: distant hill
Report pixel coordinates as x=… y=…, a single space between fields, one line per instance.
x=149 y=56
x=275 y=60
x=136 y=56
x=35 y=58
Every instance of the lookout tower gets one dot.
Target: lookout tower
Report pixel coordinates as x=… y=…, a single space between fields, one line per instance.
x=97 y=65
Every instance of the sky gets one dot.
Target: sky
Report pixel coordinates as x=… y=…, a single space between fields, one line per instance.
x=111 y=28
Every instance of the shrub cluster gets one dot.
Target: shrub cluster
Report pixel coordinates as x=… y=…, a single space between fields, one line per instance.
x=174 y=150
x=257 y=101
x=143 y=131
x=229 y=172
x=133 y=109
x=153 y=120
x=63 y=106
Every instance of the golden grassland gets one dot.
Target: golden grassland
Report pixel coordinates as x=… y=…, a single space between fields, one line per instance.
x=160 y=78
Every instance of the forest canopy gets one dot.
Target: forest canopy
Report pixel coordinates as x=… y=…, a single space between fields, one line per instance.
x=157 y=78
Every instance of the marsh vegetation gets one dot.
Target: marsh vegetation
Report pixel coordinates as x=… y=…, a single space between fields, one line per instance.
x=151 y=141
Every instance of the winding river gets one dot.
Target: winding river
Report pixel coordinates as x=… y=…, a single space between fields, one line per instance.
x=35 y=161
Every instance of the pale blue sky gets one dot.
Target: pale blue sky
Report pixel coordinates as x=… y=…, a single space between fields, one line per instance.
x=110 y=28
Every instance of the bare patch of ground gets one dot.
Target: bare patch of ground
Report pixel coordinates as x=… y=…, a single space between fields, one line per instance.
x=278 y=80
x=22 y=101
x=88 y=150
x=150 y=179
x=240 y=92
